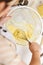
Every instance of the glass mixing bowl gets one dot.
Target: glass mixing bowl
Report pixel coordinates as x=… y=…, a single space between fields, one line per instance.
x=25 y=22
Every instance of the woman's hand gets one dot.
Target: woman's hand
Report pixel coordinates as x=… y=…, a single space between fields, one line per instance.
x=3 y=16
x=4 y=12
x=3 y=20
x=34 y=47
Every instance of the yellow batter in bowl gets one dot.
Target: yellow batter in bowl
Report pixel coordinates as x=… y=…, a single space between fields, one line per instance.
x=40 y=10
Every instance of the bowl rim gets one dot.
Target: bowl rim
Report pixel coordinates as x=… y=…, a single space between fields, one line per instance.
x=17 y=7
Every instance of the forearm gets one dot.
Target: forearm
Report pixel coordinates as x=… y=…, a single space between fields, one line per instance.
x=35 y=59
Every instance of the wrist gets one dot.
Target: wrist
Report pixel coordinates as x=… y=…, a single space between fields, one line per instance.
x=36 y=54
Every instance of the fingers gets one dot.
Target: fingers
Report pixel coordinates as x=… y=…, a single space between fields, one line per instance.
x=14 y=2
x=34 y=47
x=4 y=20
x=4 y=13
